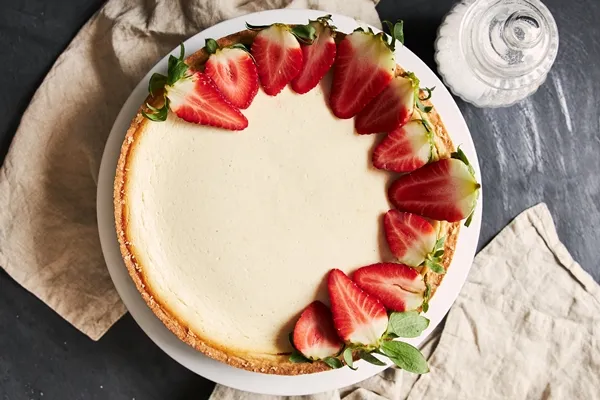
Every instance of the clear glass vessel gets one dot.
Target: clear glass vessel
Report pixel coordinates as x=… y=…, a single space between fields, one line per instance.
x=494 y=53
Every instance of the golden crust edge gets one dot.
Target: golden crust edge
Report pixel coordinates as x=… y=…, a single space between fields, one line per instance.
x=270 y=364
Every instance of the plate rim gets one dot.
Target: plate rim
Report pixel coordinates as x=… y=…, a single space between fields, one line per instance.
x=222 y=373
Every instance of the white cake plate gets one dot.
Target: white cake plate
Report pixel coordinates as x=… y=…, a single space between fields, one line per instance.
x=223 y=373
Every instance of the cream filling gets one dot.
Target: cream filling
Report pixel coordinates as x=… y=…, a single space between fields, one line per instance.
x=235 y=232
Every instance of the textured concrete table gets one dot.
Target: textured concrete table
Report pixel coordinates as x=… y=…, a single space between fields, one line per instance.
x=546 y=148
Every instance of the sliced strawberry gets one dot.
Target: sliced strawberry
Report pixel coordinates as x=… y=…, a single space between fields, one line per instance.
x=405 y=149
x=192 y=96
x=398 y=287
x=314 y=334
x=278 y=54
x=390 y=109
x=233 y=71
x=318 y=57
x=358 y=317
x=364 y=66
x=445 y=190
x=196 y=99
x=411 y=238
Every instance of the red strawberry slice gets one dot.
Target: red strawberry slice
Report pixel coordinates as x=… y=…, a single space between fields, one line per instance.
x=314 y=334
x=398 y=287
x=278 y=57
x=391 y=109
x=192 y=96
x=233 y=71
x=196 y=99
x=410 y=237
x=318 y=57
x=405 y=149
x=364 y=66
x=445 y=190
x=358 y=317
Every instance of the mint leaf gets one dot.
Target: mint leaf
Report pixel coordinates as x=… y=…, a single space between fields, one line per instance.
x=333 y=362
x=370 y=358
x=348 y=358
x=405 y=356
x=438 y=253
x=297 y=357
x=157 y=82
x=407 y=324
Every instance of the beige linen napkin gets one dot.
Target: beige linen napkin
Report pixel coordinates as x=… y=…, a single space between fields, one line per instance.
x=525 y=326
x=48 y=232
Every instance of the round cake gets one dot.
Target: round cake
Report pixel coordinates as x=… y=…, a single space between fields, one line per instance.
x=230 y=235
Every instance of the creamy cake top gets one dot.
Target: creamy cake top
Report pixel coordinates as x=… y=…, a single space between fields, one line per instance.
x=236 y=231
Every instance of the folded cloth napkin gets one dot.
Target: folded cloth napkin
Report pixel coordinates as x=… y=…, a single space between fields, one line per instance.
x=525 y=326
x=48 y=232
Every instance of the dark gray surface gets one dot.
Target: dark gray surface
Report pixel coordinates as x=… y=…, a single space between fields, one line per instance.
x=543 y=149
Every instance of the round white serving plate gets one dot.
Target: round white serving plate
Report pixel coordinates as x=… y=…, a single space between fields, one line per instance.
x=223 y=373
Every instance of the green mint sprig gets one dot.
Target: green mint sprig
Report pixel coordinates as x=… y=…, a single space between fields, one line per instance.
x=407 y=324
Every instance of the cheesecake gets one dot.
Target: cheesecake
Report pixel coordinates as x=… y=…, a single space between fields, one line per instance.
x=228 y=235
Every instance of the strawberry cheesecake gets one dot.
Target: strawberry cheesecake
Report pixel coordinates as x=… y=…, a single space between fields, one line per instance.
x=287 y=200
